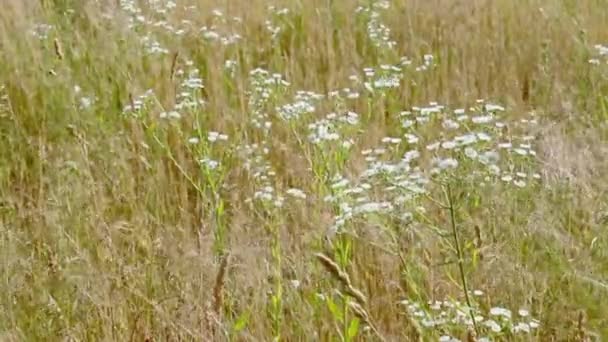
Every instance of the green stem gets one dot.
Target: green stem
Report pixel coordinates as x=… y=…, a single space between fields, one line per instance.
x=460 y=256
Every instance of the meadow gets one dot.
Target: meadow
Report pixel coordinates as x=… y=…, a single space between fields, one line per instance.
x=290 y=170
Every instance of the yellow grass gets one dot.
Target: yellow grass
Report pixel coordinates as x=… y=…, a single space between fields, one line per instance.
x=112 y=229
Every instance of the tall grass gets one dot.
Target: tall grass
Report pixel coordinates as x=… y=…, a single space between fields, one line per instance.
x=318 y=170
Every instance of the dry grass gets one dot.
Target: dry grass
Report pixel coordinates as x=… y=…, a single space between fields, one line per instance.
x=111 y=227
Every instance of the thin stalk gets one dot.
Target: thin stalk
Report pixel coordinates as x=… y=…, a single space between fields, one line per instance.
x=460 y=256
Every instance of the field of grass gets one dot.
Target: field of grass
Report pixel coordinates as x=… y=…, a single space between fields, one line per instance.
x=290 y=170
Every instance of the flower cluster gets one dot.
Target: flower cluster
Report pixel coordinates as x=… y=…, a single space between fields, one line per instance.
x=304 y=103
x=601 y=54
x=263 y=85
x=221 y=29
x=275 y=24
x=139 y=103
x=378 y=33
x=453 y=315
x=479 y=135
x=328 y=128
x=83 y=102
x=41 y=31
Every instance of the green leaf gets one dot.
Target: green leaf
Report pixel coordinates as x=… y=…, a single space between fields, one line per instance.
x=241 y=322
x=353 y=329
x=333 y=308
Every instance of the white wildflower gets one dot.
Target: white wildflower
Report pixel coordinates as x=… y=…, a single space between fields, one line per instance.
x=470 y=152
x=210 y=163
x=448 y=145
x=498 y=311
x=432 y=146
x=520 y=151
x=448 y=163
x=482 y=119
x=450 y=124
x=466 y=139
x=494 y=108
x=297 y=193
x=484 y=136
x=170 y=115
x=521 y=327
x=494 y=327
x=411 y=155
x=215 y=136
x=534 y=324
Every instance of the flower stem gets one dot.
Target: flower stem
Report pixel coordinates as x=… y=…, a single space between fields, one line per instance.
x=463 y=279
